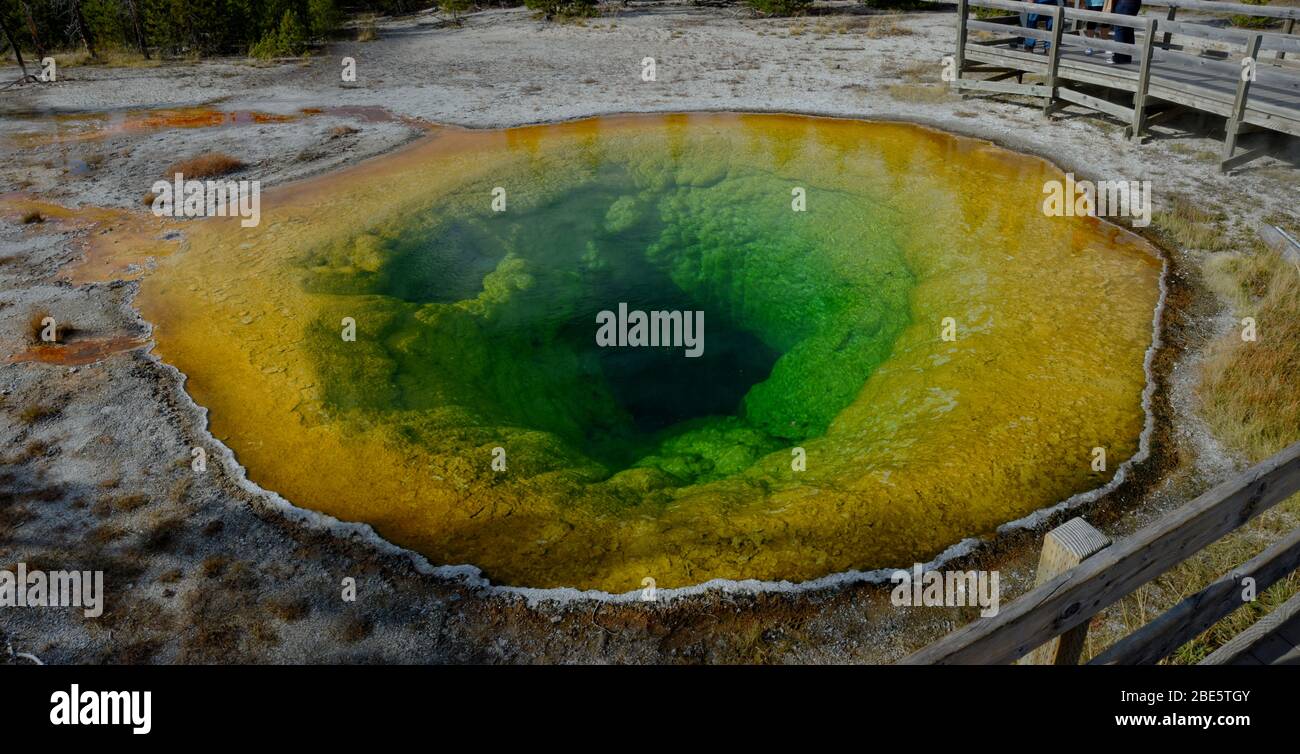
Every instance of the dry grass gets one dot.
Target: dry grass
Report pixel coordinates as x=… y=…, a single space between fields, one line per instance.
x=878 y=28
x=36 y=448
x=355 y=628
x=919 y=93
x=107 y=505
x=224 y=619
x=1250 y=395
x=108 y=56
x=163 y=534
x=214 y=565
x=1204 y=155
x=210 y=165
x=1192 y=225
x=36 y=326
x=1250 y=392
x=37 y=412
x=289 y=609
x=180 y=490
x=1194 y=574
x=12 y=516
x=918 y=72
x=129 y=503
x=366 y=30
x=106 y=534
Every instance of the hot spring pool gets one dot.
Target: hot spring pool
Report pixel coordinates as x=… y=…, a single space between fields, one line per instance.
x=476 y=331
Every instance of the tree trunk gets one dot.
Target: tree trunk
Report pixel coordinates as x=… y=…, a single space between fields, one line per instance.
x=83 y=28
x=31 y=27
x=140 y=39
x=14 y=44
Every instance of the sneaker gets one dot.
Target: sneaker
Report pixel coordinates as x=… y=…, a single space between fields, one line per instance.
x=1088 y=51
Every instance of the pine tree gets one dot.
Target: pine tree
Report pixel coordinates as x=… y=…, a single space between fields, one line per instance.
x=31 y=28
x=83 y=28
x=14 y=44
x=137 y=27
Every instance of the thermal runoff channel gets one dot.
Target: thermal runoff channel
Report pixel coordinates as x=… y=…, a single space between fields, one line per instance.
x=415 y=343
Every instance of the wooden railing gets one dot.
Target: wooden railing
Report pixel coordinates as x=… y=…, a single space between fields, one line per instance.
x=1288 y=16
x=1049 y=66
x=1173 y=86
x=1236 y=9
x=1064 y=603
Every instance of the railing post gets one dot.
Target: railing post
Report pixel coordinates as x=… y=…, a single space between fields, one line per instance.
x=1287 y=28
x=961 y=39
x=1144 y=79
x=1239 y=104
x=1054 y=55
x=1065 y=547
x=1169 y=16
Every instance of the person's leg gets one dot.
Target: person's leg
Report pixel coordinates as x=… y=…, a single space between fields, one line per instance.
x=1047 y=45
x=1125 y=33
x=1031 y=22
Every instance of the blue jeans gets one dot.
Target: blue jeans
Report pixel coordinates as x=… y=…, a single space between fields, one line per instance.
x=1031 y=22
x=1123 y=33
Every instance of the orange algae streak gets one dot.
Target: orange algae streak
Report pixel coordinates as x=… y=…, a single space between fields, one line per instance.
x=121 y=245
x=76 y=128
x=945 y=440
x=79 y=127
x=79 y=352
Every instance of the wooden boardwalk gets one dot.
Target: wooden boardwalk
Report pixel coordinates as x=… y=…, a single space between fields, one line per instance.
x=1243 y=76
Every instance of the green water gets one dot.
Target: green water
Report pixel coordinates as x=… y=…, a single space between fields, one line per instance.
x=481 y=323
x=475 y=342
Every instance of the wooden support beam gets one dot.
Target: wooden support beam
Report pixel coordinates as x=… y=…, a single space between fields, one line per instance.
x=1095 y=103
x=1144 y=80
x=1169 y=16
x=1239 y=105
x=1165 y=114
x=1054 y=56
x=985 y=68
x=1003 y=87
x=1249 y=155
x=1005 y=75
x=961 y=39
x=1065 y=547
x=1287 y=28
